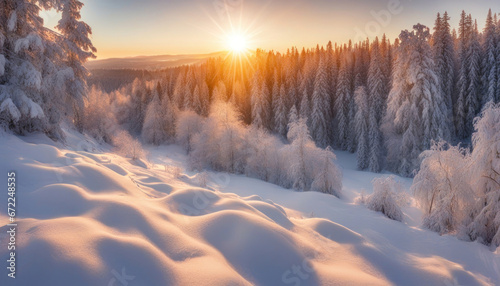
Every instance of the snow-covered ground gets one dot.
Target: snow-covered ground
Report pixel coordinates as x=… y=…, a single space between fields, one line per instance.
x=87 y=216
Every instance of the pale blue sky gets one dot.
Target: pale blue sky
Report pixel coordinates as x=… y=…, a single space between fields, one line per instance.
x=151 y=27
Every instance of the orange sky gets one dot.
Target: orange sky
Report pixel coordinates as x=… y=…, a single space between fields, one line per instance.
x=151 y=27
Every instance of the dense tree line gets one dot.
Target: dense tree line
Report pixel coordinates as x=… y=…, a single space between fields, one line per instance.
x=386 y=101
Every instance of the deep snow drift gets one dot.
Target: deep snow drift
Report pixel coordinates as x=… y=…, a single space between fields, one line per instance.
x=90 y=217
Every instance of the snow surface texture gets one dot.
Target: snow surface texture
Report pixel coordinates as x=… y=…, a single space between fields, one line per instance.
x=90 y=217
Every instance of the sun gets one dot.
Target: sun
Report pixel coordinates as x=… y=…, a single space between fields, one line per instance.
x=237 y=43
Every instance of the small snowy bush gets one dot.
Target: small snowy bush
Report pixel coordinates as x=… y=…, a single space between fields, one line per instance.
x=175 y=171
x=203 y=179
x=361 y=200
x=188 y=125
x=128 y=146
x=155 y=128
x=98 y=122
x=222 y=142
x=329 y=178
x=384 y=198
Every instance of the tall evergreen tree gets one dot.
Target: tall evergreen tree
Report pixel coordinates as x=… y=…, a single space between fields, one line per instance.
x=377 y=88
x=320 y=107
x=463 y=80
x=154 y=130
x=490 y=65
x=361 y=119
x=473 y=98
x=41 y=72
x=260 y=103
x=416 y=111
x=280 y=113
x=342 y=102
x=444 y=53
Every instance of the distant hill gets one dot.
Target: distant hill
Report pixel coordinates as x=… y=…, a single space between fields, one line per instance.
x=151 y=62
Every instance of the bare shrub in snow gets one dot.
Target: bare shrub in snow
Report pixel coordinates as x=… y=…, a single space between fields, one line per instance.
x=384 y=198
x=128 y=146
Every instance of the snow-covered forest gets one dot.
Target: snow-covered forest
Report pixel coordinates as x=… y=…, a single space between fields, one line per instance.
x=386 y=101
x=424 y=106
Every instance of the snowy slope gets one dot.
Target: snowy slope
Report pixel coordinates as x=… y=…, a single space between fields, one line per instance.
x=89 y=217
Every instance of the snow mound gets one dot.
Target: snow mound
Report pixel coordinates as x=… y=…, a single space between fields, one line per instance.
x=92 y=218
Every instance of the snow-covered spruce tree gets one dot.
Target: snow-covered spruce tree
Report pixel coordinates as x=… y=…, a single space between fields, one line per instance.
x=187 y=126
x=137 y=106
x=361 y=63
x=78 y=48
x=498 y=58
x=275 y=92
x=342 y=101
x=197 y=100
x=485 y=173
x=442 y=187
x=328 y=177
x=22 y=61
x=178 y=94
x=468 y=84
x=416 y=112
x=473 y=99
x=376 y=149
x=299 y=171
x=386 y=61
x=490 y=61
x=260 y=102
x=377 y=89
x=361 y=119
x=170 y=113
x=305 y=106
x=154 y=130
x=460 y=109
x=293 y=115
x=444 y=58
x=241 y=99
x=384 y=198
x=361 y=125
x=219 y=92
x=332 y=73
x=320 y=107
x=189 y=86
x=280 y=113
